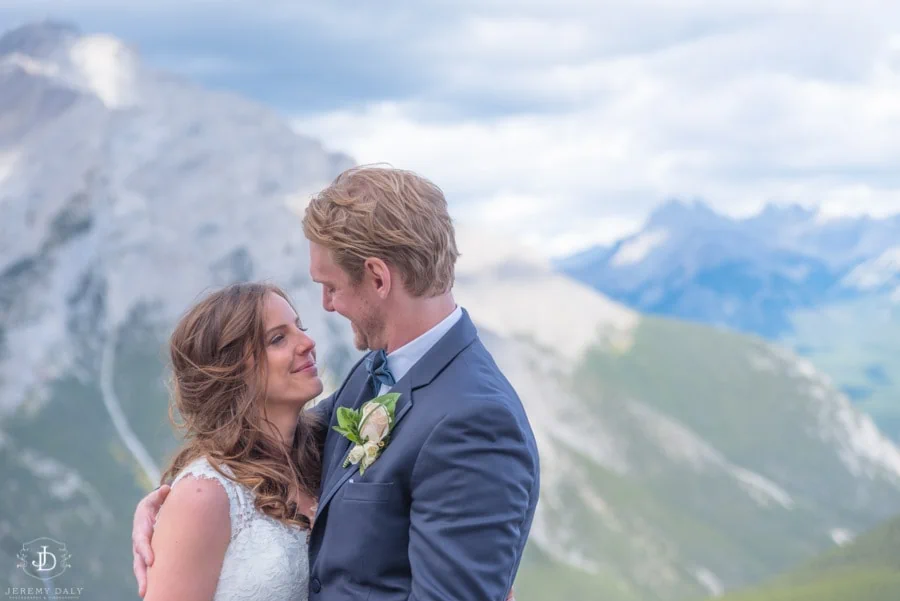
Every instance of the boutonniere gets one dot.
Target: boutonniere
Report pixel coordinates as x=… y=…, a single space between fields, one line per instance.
x=368 y=429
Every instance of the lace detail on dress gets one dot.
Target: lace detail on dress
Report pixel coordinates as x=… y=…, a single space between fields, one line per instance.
x=266 y=559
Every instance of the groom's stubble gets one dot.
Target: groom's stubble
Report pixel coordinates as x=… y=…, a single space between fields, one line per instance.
x=369 y=332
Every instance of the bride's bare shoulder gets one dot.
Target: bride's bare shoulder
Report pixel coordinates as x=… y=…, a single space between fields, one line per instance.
x=198 y=502
x=189 y=543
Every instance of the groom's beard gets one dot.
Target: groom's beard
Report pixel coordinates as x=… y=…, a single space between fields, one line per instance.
x=360 y=341
x=370 y=334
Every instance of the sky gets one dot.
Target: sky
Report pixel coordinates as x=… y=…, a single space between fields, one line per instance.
x=562 y=122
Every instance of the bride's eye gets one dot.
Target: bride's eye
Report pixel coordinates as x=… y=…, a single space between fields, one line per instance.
x=276 y=339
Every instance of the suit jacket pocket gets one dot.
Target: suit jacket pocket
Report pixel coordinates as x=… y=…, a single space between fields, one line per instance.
x=369 y=492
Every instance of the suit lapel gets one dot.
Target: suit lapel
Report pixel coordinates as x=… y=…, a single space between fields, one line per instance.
x=460 y=337
x=337 y=444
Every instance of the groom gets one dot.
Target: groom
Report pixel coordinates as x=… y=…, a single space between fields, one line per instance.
x=444 y=511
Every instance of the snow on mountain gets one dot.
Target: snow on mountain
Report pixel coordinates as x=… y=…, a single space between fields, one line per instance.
x=842 y=536
x=750 y=273
x=107 y=68
x=8 y=162
x=99 y=65
x=639 y=248
x=29 y=65
x=880 y=272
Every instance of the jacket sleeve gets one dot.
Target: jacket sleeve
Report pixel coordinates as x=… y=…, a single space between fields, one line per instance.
x=471 y=493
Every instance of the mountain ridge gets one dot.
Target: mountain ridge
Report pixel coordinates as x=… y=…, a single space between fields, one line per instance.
x=828 y=288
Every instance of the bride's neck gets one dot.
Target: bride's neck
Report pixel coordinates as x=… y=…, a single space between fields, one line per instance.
x=283 y=425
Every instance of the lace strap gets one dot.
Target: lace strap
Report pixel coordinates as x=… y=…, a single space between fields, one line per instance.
x=239 y=503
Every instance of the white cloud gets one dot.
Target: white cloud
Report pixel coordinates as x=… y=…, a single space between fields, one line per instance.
x=756 y=102
x=566 y=122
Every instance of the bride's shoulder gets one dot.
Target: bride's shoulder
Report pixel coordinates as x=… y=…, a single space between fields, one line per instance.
x=197 y=491
x=194 y=519
x=200 y=487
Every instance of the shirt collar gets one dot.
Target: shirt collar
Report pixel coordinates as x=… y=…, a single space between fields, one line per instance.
x=402 y=359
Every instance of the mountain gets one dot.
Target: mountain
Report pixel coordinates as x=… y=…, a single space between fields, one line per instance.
x=866 y=570
x=749 y=274
x=677 y=460
x=827 y=288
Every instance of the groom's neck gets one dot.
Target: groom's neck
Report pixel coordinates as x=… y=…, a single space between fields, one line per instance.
x=412 y=317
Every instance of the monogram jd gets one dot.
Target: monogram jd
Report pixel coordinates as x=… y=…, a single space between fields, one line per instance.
x=44 y=558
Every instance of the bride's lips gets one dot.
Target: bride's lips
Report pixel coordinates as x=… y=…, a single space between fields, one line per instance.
x=308 y=367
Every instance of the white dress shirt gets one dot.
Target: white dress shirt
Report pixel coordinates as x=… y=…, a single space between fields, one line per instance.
x=402 y=360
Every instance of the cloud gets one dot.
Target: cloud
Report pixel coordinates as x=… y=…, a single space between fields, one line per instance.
x=750 y=104
x=563 y=122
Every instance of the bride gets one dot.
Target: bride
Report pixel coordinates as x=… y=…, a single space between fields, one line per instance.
x=244 y=485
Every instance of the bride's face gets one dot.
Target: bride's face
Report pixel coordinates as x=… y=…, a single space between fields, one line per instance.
x=293 y=377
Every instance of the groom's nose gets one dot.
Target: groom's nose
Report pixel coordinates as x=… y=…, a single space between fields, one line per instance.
x=326 y=301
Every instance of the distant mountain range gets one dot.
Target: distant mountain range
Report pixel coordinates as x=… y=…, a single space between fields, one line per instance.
x=678 y=460
x=827 y=287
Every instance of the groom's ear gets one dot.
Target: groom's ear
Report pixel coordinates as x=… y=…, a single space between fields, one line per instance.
x=378 y=272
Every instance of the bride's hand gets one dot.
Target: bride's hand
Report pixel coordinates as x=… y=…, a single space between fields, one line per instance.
x=142 y=531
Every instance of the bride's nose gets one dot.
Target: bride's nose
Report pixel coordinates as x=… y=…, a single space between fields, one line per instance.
x=305 y=344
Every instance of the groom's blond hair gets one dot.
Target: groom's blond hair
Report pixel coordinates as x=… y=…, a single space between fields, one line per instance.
x=390 y=214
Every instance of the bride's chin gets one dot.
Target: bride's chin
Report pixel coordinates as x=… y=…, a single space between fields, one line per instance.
x=316 y=388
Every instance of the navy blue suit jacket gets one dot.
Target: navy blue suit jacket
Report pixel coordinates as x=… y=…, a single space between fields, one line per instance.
x=445 y=511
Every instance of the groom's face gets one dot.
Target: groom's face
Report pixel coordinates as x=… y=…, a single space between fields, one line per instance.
x=354 y=301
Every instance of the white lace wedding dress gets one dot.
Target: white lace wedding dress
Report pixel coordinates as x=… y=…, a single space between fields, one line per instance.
x=266 y=560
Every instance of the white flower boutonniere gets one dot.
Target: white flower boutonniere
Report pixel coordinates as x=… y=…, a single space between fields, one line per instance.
x=368 y=429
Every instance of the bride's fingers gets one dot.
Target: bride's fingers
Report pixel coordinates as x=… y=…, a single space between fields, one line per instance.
x=143 y=550
x=144 y=518
x=157 y=497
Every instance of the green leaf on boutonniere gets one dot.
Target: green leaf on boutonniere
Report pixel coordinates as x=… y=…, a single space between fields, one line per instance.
x=348 y=419
x=351 y=435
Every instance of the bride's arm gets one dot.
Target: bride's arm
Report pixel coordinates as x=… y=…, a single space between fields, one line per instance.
x=189 y=542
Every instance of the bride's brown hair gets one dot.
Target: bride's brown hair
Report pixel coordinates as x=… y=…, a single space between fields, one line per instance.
x=218 y=390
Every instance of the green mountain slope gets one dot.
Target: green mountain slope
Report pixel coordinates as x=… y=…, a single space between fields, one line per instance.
x=679 y=460
x=866 y=570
